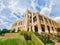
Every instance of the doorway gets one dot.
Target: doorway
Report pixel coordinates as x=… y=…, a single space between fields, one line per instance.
x=36 y=28
x=48 y=29
x=43 y=28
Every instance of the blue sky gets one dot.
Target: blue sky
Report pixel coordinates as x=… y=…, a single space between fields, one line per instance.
x=12 y=10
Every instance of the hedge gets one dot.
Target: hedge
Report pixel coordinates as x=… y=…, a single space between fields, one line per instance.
x=36 y=40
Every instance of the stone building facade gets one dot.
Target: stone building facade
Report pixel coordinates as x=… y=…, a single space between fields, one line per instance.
x=33 y=21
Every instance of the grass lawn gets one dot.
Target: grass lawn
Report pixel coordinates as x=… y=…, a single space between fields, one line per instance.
x=12 y=41
x=29 y=42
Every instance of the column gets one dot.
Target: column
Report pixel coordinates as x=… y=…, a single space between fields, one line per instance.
x=51 y=31
x=50 y=24
x=55 y=32
x=26 y=19
x=32 y=23
x=38 y=23
x=46 y=30
x=29 y=28
x=16 y=30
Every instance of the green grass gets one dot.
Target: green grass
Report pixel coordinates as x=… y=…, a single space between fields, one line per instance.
x=29 y=42
x=12 y=41
x=26 y=38
x=36 y=40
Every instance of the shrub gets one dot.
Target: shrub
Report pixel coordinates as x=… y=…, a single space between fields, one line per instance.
x=22 y=32
x=45 y=38
x=58 y=29
x=57 y=37
x=36 y=40
x=26 y=34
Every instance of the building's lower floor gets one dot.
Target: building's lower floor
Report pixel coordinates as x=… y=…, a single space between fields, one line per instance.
x=36 y=28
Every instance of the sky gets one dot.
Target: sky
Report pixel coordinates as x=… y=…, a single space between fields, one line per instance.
x=12 y=10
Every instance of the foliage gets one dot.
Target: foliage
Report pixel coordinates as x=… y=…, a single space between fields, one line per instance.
x=3 y=31
x=58 y=29
x=36 y=40
x=25 y=34
x=45 y=38
x=29 y=42
x=0 y=32
x=57 y=37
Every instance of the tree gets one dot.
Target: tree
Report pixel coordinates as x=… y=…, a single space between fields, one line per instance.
x=0 y=32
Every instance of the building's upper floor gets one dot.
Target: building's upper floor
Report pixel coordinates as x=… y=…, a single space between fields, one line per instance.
x=29 y=15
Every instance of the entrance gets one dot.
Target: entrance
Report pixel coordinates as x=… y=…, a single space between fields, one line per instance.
x=52 y=29
x=36 y=28
x=43 y=28
x=48 y=28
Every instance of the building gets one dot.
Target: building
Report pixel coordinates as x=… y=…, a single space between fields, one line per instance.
x=33 y=21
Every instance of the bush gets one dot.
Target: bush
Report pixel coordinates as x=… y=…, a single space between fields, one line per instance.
x=57 y=38
x=58 y=29
x=26 y=35
x=36 y=40
x=45 y=38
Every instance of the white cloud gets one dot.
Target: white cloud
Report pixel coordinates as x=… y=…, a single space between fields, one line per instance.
x=47 y=9
x=57 y=19
x=12 y=3
x=3 y=23
x=18 y=6
x=15 y=7
x=2 y=6
x=4 y=17
x=34 y=4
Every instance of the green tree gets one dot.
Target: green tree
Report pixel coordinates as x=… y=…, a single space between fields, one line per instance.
x=5 y=31
x=0 y=32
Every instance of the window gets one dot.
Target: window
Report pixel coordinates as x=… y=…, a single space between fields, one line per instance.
x=20 y=23
x=52 y=28
x=15 y=24
x=34 y=19
x=40 y=17
x=49 y=21
x=46 y=20
x=53 y=22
